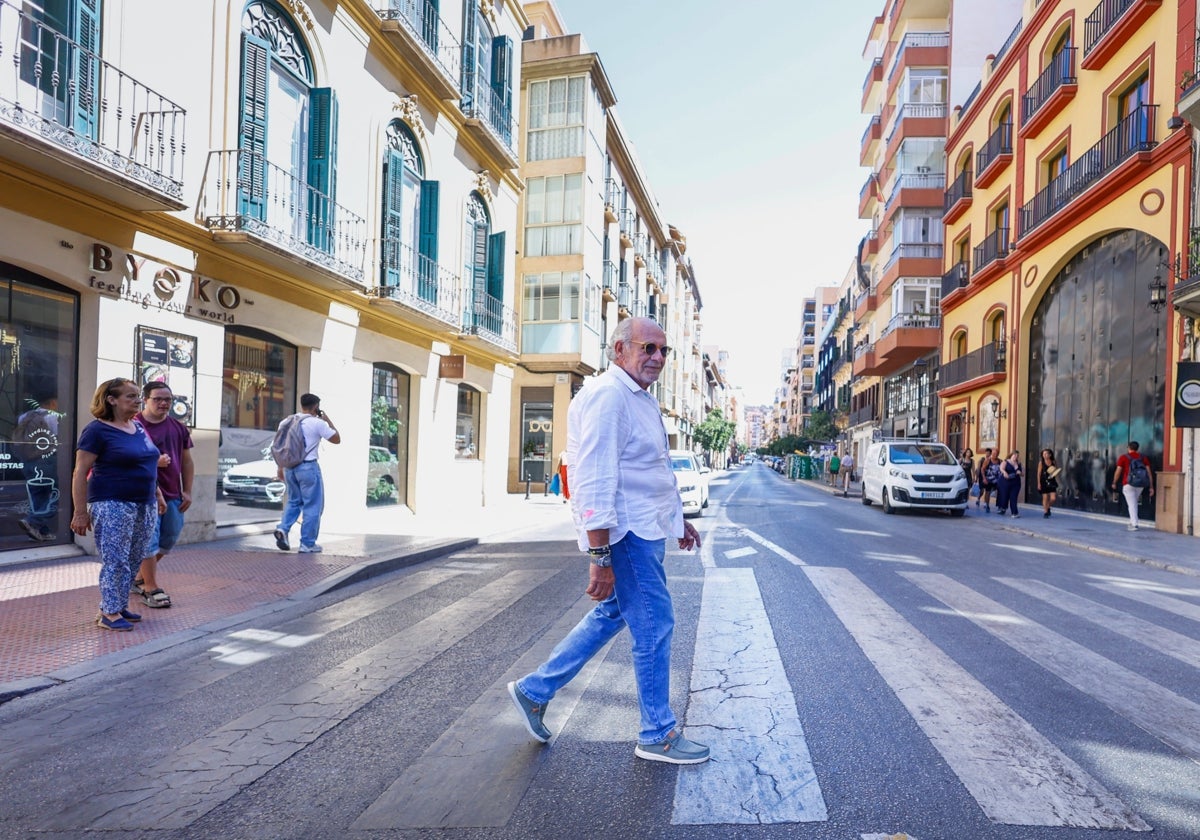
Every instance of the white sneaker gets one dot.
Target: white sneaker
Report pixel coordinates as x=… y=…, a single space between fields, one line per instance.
x=310 y=549
x=1131 y=527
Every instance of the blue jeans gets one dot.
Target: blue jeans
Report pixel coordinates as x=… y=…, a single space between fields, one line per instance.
x=305 y=495
x=640 y=600
x=170 y=524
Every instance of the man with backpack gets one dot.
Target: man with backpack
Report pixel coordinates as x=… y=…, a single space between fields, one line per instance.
x=295 y=452
x=1133 y=473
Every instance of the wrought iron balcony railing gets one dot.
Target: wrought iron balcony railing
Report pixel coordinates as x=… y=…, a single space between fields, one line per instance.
x=1101 y=20
x=418 y=282
x=1060 y=71
x=242 y=192
x=994 y=247
x=422 y=20
x=488 y=318
x=956 y=278
x=960 y=189
x=64 y=94
x=999 y=143
x=989 y=359
x=1135 y=133
x=481 y=102
x=866 y=414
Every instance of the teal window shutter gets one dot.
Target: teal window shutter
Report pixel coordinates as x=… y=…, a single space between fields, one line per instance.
x=393 y=190
x=429 y=22
x=252 y=128
x=468 y=56
x=87 y=67
x=322 y=163
x=428 y=244
x=502 y=52
x=495 y=281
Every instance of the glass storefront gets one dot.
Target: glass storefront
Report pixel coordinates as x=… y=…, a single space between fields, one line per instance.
x=258 y=390
x=1096 y=351
x=39 y=322
x=537 y=427
x=387 y=456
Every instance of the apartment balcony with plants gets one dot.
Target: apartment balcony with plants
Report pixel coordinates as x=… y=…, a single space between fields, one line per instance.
x=72 y=115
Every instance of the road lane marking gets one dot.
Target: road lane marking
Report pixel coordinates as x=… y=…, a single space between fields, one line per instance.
x=1161 y=639
x=770 y=546
x=1015 y=774
x=746 y=551
x=741 y=705
x=910 y=559
x=1166 y=603
x=199 y=776
x=1028 y=549
x=476 y=773
x=863 y=533
x=1172 y=719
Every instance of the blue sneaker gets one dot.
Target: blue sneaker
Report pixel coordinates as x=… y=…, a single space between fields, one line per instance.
x=531 y=713
x=674 y=749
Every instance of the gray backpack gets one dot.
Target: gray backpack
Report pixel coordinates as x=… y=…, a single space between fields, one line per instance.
x=288 y=448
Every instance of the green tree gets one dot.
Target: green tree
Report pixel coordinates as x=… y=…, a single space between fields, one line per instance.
x=820 y=426
x=715 y=433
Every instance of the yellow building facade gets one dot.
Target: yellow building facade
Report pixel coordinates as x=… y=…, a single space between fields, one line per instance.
x=1068 y=196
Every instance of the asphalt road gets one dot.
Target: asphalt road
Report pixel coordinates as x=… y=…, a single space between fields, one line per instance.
x=857 y=675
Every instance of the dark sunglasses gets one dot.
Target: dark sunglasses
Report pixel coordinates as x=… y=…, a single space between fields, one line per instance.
x=650 y=348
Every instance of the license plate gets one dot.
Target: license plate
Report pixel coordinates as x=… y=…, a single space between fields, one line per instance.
x=931 y=495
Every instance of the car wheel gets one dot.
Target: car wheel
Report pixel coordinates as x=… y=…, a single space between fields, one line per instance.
x=704 y=504
x=887 y=502
x=866 y=500
x=957 y=512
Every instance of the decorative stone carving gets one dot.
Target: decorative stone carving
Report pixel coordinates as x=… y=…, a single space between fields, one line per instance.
x=487 y=8
x=302 y=14
x=483 y=184
x=406 y=108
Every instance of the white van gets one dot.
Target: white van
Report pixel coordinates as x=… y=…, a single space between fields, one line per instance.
x=915 y=473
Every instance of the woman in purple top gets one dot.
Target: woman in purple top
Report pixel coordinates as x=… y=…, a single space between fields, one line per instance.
x=114 y=490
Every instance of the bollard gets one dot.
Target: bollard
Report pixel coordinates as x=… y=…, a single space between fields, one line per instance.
x=527 y=480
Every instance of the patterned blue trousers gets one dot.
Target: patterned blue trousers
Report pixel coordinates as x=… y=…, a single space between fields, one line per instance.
x=123 y=533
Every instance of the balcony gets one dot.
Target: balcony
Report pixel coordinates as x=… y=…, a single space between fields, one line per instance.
x=869 y=246
x=988 y=361
x=870 y=140
x=1050 y=93
x=864 y=304
x=911 y=259
x=418 y=32
x=271 y=214
x=609 y=286
x=612 y=194
x=994 y=249
x=487 y=318
x=418 y=283
x=625 y=219
x=1110 y=26
x=868 y=197
x=866 y=414
x=956 y=278
x=906 y=338
x=874 y=77
x=624 y=295
x=639 y=249
x=957 y=198
x=864 y=360
x=915 y=119
x=1189 y=87
x=995 y=156
x=71 y=116
x=920 y=49
x=1134 y=134
x=489 y=118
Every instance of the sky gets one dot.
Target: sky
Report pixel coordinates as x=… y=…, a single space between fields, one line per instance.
x=745 y=118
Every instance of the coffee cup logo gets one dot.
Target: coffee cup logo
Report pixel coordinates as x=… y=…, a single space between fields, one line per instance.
x=42 y=494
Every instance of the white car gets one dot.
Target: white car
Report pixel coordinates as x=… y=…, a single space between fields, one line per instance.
x=254 y=482
x=914 y=473
x=692 y=478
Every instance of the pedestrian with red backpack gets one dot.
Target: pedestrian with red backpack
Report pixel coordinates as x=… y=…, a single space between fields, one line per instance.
x=1132 y=474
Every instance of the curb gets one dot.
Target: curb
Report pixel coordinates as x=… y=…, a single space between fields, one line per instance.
x=346 y=577
x=1107 y=552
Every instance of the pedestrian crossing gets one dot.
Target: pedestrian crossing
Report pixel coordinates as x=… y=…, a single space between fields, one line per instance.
x=477 y=771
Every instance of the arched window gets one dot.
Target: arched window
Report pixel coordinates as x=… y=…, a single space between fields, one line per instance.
x=410 y=212
x=287 y=130
x=484 y=267
x=959 y=344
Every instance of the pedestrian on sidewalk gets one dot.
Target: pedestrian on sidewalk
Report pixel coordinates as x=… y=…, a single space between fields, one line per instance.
x=625 y=504
x=1132 y=474
x=1047 y=481
x=847 y=473
x=175 y=473
x=114 y=490
x=1011 y=471
x=989 y=480
x=305 y=485
x=835 y=464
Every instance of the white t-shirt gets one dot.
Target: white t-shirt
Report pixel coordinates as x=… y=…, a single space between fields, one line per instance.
x=315 y=430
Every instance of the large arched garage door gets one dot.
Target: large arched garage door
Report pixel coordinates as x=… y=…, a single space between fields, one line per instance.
x=1096 y=352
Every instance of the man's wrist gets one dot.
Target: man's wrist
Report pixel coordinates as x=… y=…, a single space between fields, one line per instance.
x=600 y=555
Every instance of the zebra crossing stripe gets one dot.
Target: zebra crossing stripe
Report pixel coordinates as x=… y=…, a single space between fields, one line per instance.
x=1155 y=599
x=741 y=705
x=475 y=774
x=201 y=775
x=770 y=546
x=1161 y=639
x=1015 y=774
x=1172 y=719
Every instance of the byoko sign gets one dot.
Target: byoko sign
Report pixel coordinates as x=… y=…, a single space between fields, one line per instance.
x=154 y=285
x=1187 y=395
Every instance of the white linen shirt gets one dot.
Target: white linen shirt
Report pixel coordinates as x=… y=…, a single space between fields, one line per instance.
x=620 y=466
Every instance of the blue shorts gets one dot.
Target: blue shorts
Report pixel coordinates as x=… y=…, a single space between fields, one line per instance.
x=170 y=523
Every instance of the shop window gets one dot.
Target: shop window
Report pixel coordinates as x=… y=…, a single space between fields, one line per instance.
x=258 y=389
x=387 y=455
x=537 y=424
x=38 y=418
x=466 y=433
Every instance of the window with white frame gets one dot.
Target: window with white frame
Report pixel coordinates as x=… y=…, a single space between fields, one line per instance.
x=553 y=215
x=556 y=116
x=926 y=86
x=552 y=296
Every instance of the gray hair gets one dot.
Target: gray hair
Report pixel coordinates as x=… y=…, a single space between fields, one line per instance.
x=623 y=331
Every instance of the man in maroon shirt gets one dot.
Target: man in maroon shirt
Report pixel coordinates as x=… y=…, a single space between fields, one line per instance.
x=175 y=472
x=1127 y=483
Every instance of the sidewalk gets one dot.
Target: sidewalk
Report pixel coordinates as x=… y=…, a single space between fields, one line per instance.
x=48 y=634
x=1105 y=535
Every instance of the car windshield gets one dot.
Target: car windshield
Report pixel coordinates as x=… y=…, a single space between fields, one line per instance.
x=682 y=463
x=915 y=453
